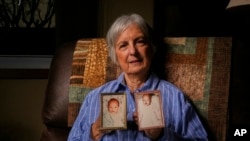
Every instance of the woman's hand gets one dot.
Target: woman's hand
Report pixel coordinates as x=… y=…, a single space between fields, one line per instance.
x=96 y=132
x=153 y=133
x=95 y=128
x=135 y=117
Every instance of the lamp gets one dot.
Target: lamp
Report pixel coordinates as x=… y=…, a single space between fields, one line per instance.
x=238 y=12
x=235 y=3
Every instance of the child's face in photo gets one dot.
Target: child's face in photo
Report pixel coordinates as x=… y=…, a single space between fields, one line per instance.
x=146 y=100
x=113 y=107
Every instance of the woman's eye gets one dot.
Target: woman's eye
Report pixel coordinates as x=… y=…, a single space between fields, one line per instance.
x=141 y=42
x=122 y=45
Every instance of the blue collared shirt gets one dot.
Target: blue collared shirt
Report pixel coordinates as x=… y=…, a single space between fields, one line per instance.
x=181 y=121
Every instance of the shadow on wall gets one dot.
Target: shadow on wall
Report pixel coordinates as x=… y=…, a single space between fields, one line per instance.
x=191 y=17
x=17 y=132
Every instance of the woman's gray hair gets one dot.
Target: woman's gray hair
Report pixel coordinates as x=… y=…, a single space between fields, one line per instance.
x=119 y=25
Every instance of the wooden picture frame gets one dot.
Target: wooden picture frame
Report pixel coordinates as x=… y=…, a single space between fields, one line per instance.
x=149 y=109
x=113 y=111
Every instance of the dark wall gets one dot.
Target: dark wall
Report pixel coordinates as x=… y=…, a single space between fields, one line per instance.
x=197 y=18
x=190 y=17
x=76 y=19
x=239 y=89
x=200 y=18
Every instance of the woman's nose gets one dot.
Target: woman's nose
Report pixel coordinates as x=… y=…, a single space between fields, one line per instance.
x=132 y=49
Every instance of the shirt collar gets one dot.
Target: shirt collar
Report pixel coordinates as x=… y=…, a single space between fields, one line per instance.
x=151 y=83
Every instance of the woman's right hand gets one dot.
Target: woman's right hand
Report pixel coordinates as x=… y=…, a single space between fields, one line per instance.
x=97 y=133
x=95 y=128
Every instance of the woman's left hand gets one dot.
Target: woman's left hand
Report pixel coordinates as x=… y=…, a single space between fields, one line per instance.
x=153 y=133
x=135 y=117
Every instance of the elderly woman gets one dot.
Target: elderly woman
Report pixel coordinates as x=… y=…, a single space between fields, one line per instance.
x=131 y=47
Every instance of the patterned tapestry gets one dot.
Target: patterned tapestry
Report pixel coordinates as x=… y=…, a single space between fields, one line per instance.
x=199 y=66
x=90 y=67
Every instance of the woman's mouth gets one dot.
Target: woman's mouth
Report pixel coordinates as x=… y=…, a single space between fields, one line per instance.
x=135 y=61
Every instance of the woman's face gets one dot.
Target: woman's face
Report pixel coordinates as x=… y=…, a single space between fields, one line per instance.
x=133 y=51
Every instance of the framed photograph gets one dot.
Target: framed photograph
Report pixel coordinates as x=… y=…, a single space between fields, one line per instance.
x=113 y=111
x=149 y=109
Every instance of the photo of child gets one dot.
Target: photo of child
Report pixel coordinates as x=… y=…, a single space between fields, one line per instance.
x=149 y=111
x=113 y=111
x=113 y=118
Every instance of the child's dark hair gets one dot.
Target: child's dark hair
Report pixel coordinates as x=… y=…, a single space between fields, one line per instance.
x=113 y=99
x=149 y=94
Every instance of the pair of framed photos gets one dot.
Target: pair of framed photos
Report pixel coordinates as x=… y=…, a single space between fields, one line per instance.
x=148 y=107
